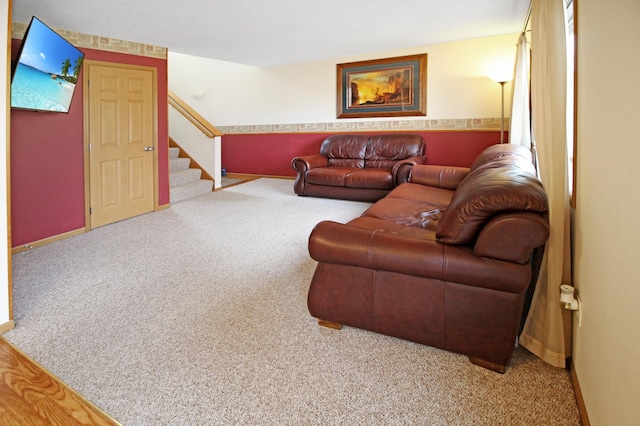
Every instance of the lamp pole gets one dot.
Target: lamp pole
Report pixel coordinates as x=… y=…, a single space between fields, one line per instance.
x=502 y=83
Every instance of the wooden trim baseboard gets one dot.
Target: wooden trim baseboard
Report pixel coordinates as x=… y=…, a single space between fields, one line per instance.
x=7 y=326
x=7 y=171
x=246 y=176
x=580 y=400
x=48 y=240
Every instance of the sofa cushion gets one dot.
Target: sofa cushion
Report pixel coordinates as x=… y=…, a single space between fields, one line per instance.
x=352 y=163
x=345 y=150
x=447 y=177
x=369 y=178
x=351 y=177
x=431 y=195
x=386 y=150
x=486 y=192
x=405 y=212
x=328 y=176
x=379 y=224
x=496 y=152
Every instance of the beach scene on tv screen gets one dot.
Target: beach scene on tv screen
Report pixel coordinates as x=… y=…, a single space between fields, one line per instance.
x=47 y=71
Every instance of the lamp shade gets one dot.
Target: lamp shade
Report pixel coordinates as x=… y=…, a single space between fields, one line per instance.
x=500 y=75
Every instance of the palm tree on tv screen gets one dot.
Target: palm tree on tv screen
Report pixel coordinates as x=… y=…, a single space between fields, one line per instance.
x=77 y=66
x=65 y=67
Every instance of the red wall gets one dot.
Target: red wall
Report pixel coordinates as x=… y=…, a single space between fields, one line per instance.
x=271 y=154
x=47 y=163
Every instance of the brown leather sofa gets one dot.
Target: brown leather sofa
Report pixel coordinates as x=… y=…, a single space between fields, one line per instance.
x=358 y=167
x=444 y=260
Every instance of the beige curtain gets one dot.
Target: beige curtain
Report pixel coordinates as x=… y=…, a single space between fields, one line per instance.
x=544 y=329
x=520 y=128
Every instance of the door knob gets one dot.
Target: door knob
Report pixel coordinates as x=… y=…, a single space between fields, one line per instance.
x=148 y=148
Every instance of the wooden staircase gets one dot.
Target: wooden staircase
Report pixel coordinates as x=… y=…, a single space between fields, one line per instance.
x=186 y=178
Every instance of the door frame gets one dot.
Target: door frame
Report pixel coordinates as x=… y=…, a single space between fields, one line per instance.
x=86 y=126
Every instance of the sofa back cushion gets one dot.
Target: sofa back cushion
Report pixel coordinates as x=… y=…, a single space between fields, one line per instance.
x=384 y=151
x=488 y=190
x=345 y=150
x=501 y=151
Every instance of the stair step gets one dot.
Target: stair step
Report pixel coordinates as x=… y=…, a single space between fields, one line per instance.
x=184 y=176
x=177 y=164
x=185 y=182
x=190 y=189
x=173 y=152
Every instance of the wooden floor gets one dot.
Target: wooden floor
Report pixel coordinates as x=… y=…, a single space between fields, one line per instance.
x=30 y=395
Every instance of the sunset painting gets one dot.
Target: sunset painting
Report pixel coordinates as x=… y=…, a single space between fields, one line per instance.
x=388 y=87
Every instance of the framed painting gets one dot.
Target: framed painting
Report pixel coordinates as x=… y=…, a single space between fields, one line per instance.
x=390 y=87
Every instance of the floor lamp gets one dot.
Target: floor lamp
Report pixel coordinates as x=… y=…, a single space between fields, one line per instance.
x=501 y=81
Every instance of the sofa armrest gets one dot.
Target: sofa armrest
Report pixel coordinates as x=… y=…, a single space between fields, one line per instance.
x=337 y=243
x=446 y=177
x=512 y=236
x=402 y=169
x=304 y=163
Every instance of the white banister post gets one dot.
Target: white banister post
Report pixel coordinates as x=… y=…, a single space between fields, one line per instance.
x=217 y=162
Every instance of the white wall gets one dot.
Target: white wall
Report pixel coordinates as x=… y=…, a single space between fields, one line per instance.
x=233 y=94
x=199 y=147
x=5 y=258
x=607 y=241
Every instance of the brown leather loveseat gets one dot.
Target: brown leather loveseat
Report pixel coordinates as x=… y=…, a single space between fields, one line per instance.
x=358 y=167
x=444 y=260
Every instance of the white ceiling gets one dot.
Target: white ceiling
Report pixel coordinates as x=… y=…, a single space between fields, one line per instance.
x=278 y=32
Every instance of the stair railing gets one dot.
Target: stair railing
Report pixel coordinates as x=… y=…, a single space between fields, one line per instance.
x=192 y=115
x=205 y=127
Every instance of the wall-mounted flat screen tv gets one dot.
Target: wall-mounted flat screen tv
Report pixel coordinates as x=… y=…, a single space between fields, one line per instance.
x=46 y=71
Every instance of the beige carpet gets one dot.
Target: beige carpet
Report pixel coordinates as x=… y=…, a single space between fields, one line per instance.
x=196 y=315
